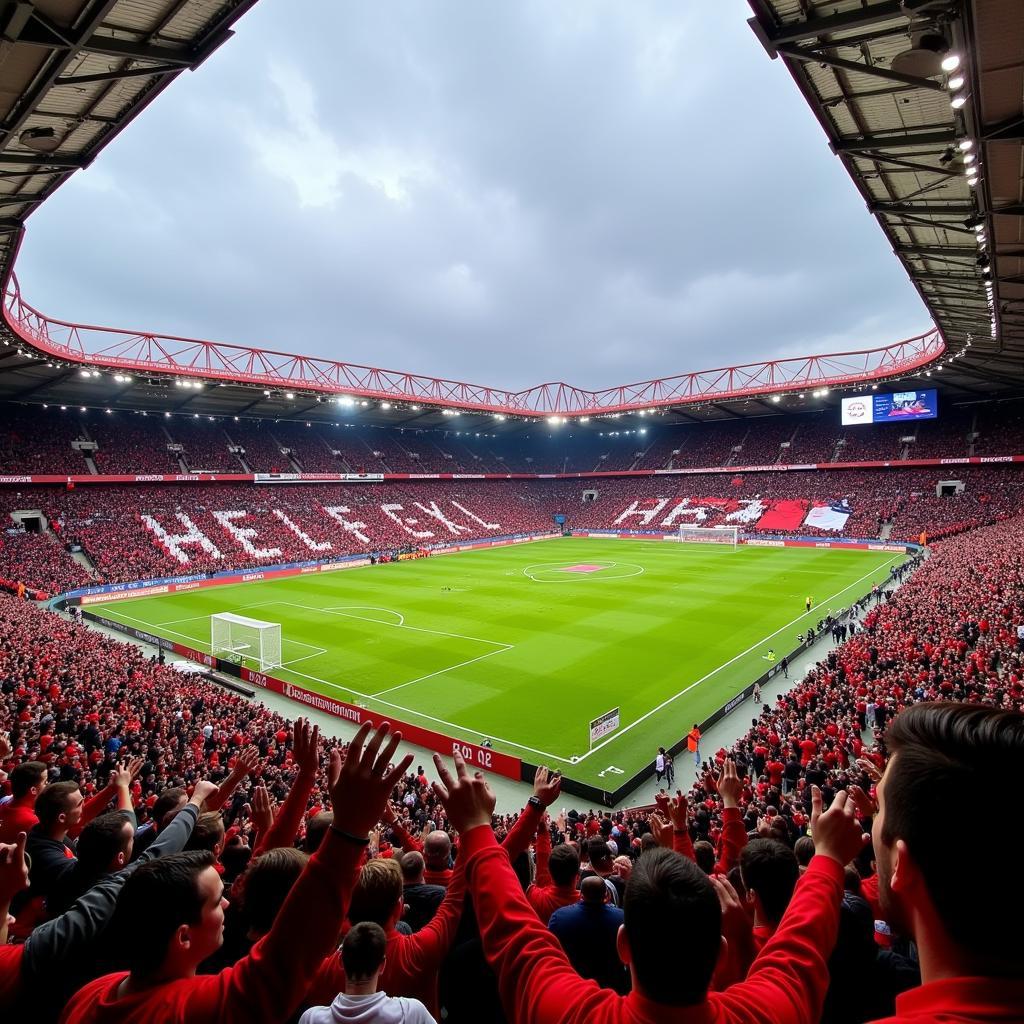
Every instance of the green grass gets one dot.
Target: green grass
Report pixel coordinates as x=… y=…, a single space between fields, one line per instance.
x=527 y=654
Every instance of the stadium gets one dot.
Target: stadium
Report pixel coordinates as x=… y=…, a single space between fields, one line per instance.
x=733 y=658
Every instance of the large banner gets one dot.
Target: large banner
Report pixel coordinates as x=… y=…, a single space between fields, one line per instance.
x=830 y=516
x=783 y=515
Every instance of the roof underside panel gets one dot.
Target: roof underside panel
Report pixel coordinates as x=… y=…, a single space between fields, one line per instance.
x=871 y=72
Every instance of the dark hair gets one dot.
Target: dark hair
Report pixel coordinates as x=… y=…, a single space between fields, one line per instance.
x=167 y=802
x=316 y=829
x=53 y=802
x=26 y=775
x=377 y=892
x=266 y=884
x=363 y=950
x=704 y=855
x=207 y=832
x=412 y=865
x=771 y=870
x=804 y=850
x=157 y=899
x=564 y=864
x=944 y=756
x=598 y=852
x=101 y=841
x=674 y=926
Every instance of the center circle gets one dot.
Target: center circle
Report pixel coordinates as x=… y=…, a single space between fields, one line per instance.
x=567 y=572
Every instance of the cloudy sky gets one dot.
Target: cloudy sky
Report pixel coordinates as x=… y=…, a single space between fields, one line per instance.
x=586 y=190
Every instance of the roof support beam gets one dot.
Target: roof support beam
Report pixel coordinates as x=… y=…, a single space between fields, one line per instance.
x=116 y=76
x=824 y=57
x=40 y=31
x=922 y=209
x=814 y=28
x=924 y=140
x=28 y=159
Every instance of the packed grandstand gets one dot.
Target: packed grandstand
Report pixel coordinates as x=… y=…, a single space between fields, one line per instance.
x=176 y=846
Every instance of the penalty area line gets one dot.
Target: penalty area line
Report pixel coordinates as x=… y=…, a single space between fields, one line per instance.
x=789 y=625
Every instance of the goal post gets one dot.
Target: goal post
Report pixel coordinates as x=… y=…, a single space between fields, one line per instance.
x=246 y=638
x=729 y=535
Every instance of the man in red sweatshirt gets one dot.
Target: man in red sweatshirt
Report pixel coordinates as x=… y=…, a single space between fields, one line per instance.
x=969 y=937
x=557 y=873
x=18 y=815
x=413 y=962
x=171 y=914
x=672 y=936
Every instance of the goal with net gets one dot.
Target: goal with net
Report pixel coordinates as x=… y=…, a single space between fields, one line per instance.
x=710 y=535
x=246 y=638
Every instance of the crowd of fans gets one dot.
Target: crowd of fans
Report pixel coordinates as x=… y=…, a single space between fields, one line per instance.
x=824 y=867
x=151 y=531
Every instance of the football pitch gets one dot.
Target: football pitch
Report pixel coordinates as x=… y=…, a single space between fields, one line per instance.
x=526 y=644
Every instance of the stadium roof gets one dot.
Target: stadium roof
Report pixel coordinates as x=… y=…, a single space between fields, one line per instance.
x=75 y=73
x=922 y=101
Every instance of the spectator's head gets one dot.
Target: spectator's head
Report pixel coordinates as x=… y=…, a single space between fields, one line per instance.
x=208 y=833
x=28 y=779
x=770 y=873
x=623 y=867
x=377 y=895
x=235 y=859
x=593 y=890
x=167 y=806
x=59 y=807
x=945 y=757
x=668 y=895
x=171 y=911
x=804 y=850
x=362 y=955
x=599 y=855
x=437 y=850
x=564 y=865
x=412 y=865
x=265 y=885
x=704 y=854
x=316 y=829
x=106 y=844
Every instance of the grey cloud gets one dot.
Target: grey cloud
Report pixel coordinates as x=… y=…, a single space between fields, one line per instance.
x=501 y=193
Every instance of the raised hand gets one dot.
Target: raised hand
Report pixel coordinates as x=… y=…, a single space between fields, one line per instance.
x=13 y=870
x=204 y=789
x=547 y=785
x=467 y=798
x=360 y=784
x=870 y=769
x=306 y=746
x=246 y=762
x=661 y=829
x=263 y=809
x=675 y=809
x=866 y=807
x=730 y=785
x=836 y=832
x=126 y=772
x=389 y=816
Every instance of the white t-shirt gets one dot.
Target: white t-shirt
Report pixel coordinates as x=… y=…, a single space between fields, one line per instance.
x=659 y=762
